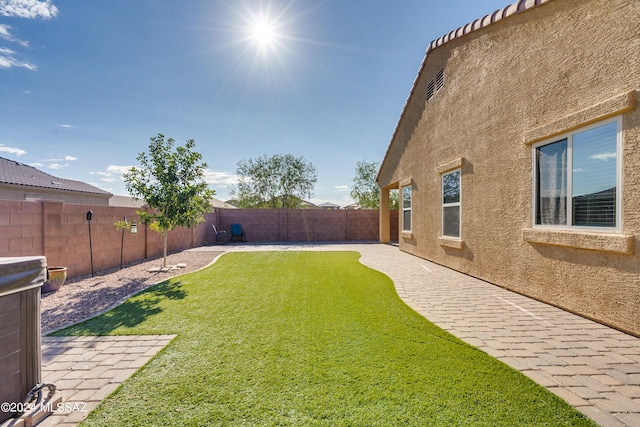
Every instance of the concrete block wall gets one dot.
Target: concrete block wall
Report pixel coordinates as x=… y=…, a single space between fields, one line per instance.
x=303 y=225
x=20 y=228
x=60 y=231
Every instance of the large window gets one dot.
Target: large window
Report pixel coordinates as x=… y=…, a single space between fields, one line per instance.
x=406 y=208
x=451 y=204
x=577 y=178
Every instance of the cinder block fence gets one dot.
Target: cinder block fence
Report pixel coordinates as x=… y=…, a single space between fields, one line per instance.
x=302 y=225
x=60 y=231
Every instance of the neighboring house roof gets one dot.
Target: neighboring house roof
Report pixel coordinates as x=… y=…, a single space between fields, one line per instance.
x=329 y=205
x=514 y=8
x=222 y=204
x=16 y=173
x=353 y=206
x=308 y=205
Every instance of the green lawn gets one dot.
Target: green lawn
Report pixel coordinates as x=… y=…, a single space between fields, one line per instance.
x=307 y=338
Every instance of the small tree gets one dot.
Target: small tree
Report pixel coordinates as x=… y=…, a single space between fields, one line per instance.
x=279 y=181
x=365 y=190
x=172 y=183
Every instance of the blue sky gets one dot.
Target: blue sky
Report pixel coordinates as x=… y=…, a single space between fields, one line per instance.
x=84 y=84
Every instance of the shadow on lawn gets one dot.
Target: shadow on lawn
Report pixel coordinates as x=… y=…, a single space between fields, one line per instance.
x=132 y=312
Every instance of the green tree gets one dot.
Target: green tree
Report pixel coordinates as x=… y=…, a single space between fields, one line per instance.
x=172 y=183
x=278 y=181
x=365 y=190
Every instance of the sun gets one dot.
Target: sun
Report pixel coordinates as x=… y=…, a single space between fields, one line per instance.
x=263 y=27
x=263 y=36
x=264 y=33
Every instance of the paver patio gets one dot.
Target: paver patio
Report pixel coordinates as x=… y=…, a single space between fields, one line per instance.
x=86 y=370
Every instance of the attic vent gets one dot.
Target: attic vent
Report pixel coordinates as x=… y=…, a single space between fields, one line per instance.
x=430 y=90
x=56 y=183
x=440 y=80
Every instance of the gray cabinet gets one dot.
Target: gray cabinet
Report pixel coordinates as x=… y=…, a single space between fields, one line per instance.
x=20 y=343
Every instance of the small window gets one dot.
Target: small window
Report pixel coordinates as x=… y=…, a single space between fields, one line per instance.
x=406 y=208
x=440 y=80
x=577 y=179
x=451 y=204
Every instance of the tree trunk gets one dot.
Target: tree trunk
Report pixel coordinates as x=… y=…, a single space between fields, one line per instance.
x=164 y=261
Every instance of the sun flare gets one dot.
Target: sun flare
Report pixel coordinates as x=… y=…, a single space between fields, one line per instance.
x=264 y=33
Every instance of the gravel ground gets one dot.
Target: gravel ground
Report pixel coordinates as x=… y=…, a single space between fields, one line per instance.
x=84 y=297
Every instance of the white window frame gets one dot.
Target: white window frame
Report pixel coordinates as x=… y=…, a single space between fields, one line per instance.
x=406 y=209
x=452 y=204
x=569 y=137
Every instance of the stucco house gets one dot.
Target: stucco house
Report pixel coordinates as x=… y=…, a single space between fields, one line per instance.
x=517 y=155
x=23 y=182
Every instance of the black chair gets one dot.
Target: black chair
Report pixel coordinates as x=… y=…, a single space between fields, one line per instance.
x=220 y=235
x=237 y=231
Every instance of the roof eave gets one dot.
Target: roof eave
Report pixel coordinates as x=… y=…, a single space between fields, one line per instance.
x=500 y=14
x=54 y=190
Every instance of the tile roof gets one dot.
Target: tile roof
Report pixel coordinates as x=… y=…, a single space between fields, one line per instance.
x=512 y=9
x=16 y=173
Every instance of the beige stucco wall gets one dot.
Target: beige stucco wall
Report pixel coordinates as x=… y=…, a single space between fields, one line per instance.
x=525 y=78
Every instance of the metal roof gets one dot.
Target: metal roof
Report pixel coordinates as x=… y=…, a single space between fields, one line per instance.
x=16 y=173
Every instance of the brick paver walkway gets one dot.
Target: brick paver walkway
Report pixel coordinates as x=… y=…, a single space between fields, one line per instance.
x=86 y=370
x=594 y=368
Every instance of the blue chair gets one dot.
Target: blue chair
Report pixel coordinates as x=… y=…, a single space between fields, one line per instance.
x=237 y=231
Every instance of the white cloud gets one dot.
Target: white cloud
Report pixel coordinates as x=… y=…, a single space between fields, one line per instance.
x=30 y=9
x=5 y=33
x=57 y=166
x=118 y=169
x=113 y=173
x=12 y=150
x=220 y=178
x=65 y=158
x=341 y=187
x=66 y=126
x=604 y=156
x=7 y=60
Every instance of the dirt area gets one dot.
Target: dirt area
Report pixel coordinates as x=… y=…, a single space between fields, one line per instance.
x=84 y=297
